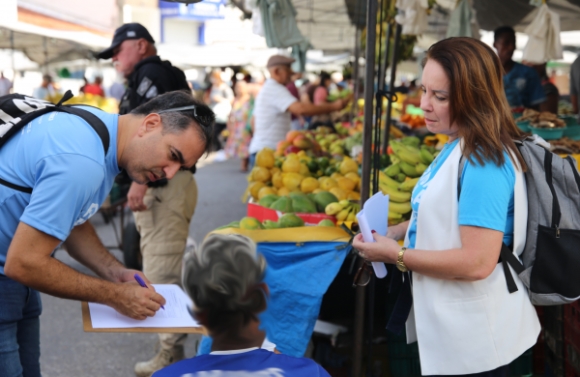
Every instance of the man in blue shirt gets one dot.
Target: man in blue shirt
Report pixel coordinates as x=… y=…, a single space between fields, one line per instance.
x=522 y=85
x=62 y=159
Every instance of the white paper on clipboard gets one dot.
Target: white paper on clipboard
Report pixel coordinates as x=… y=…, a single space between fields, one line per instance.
x=374 y=216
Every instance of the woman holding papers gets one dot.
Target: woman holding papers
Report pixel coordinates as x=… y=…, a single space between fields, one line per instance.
x=225 y=281
x=463 y=317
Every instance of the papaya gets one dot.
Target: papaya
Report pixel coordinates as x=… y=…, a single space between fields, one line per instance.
x=303 y=204
x=250 y=223
x=324 y=198
x=290 y=220
x=269 y=224
x=283 y=204
x=326 y=222
x=267 y=200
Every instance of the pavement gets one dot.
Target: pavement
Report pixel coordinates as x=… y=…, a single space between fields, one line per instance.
x=67 y=351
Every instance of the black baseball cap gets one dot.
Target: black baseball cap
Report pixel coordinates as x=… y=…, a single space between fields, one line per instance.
x=124 y=32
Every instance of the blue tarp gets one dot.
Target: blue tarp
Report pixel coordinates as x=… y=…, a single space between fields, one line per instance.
x=298 y=276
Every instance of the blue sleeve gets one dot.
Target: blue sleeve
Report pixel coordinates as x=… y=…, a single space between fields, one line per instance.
x=65 y=185
x=486 y=194
x=535 y=91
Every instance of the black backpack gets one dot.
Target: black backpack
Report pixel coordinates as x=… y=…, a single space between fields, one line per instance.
x=17 y=110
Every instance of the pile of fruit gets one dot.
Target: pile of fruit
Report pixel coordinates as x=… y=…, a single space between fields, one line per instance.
x=413 y=120
x=302 y=173
x=409 y=161
x=319 y=142
x=107 y=104
x=287 y=220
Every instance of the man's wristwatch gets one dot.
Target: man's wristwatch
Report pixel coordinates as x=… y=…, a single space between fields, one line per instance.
x=400 y=264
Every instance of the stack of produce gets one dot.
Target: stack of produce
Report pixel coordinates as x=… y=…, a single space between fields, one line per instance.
x=303 y=173
x=413 y=120
x=409 y=161
x=320 y=142
x=288 y=220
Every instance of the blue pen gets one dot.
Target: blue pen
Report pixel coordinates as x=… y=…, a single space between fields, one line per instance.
x=142 y=283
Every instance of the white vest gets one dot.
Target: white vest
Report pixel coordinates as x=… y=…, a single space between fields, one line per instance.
x=467 y=327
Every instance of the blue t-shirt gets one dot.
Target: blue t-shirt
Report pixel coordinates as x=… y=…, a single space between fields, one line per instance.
x=62 y=158
x=256 y=363
x=523 y=86
x=486 y=199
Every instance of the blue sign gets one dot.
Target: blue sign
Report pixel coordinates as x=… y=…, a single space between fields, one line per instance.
x=204 y=10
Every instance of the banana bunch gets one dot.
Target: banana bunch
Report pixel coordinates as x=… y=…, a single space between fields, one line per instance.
x=345 y=210
x=411 y=159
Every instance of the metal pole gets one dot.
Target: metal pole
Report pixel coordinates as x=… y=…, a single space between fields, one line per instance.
x=372 y=9
x=45 y=55
x=392 y=86
x=355 y=70
x=383 y=69
x=13 y=62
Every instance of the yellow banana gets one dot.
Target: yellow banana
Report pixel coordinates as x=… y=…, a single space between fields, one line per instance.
x=342 y=215
x=408 y=185
x=396 y=195
x=352 y=215
x=394 y=216
x=388 y=181
x=333 y=209
x=345 y=203
x=401 y=208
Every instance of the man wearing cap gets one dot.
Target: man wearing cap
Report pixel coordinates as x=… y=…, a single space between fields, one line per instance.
x=275 y=104
x=162 y=209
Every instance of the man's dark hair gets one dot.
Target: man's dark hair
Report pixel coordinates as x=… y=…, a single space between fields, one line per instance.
x=504 y=30
x=177 y=121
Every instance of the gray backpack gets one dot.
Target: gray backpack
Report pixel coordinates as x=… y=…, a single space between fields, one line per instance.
x=551 y=256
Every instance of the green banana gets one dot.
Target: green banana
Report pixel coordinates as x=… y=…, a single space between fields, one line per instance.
x=420 y=168
x=412 y=141
x=392 y=170
x=406 y=153
x=409 y=170
x=386 y=180
x=401 y=177
x=396 y=195
x=408 y=185
x=401 y=208
x=426 y=156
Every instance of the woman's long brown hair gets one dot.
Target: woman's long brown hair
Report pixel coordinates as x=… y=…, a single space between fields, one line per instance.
x=477 y=100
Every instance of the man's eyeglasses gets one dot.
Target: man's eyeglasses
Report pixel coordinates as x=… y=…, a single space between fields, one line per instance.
x=363 y=276
x=205 y=120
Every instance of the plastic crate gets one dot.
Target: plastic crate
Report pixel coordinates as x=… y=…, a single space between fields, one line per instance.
x=523 y=365
x=263 y=213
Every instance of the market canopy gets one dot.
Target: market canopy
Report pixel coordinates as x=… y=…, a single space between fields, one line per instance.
x=492 y=14
x=44 y=45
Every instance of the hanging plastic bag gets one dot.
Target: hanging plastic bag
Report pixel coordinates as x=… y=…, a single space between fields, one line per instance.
x=462 y=22
x=544 y=37
x=412 y=16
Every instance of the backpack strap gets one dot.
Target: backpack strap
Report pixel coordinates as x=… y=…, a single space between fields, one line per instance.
x=506 y=255
x=94 y=121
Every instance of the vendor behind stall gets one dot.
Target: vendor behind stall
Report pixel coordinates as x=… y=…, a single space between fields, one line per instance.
x=522 y=84
x=550 y=90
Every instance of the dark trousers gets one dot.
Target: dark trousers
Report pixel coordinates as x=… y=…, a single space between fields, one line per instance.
x=20 y=308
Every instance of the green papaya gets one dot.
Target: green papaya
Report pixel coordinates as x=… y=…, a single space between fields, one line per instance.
x=283 y=204
x=290 y=220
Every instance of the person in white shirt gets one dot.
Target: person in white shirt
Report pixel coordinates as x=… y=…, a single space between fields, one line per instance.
x=275 y=104
x=5 y=85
